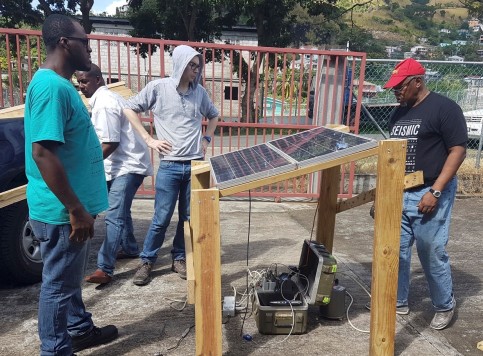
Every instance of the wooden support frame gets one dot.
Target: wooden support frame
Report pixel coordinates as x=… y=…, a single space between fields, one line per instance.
x=12 y=196
x=388 y=196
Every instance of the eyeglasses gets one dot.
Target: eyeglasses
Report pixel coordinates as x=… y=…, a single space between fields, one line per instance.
x=85 y=40
x=401 y=89
x=194 y=66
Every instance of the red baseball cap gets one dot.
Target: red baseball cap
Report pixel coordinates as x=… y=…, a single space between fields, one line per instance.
x=404 y=69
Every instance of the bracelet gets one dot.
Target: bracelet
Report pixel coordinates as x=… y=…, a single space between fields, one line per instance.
x=207 y=138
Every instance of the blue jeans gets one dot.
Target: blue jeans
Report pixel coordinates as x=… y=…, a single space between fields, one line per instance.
x=173 y=181
x=61 y=309
x=119 y=228
x=431 y=233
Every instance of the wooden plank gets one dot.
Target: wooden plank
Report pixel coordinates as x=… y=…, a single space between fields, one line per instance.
x=18 y=111
x=326 y=212
x=411 y=180
x=338 y=127
x=359 y=199
x=12 y=196
x=200 y=179
x=205 y=222
x=190 y=272
x=385 y=262
x=297 y=172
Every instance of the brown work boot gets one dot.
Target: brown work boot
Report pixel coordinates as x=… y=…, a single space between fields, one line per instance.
x=99 y=277
x=179 y=266
x=142 y=274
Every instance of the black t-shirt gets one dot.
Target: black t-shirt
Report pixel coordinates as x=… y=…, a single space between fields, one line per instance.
x=431 y=128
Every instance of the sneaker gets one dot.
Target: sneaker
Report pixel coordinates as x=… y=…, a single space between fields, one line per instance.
x=442 y=319
x=179 y=266
x=401 y=310
x=96 y=336
x=142 y=274
x=99 y=277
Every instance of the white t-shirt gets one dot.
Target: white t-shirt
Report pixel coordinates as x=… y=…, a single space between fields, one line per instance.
x=131 y=156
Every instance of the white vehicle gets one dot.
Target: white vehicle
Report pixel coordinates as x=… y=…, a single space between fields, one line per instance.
x=474 y=123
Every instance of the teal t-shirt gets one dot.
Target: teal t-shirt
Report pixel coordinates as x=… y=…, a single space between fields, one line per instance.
x=54 y=111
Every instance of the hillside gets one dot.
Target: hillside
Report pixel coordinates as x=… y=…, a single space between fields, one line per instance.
x=396 y=21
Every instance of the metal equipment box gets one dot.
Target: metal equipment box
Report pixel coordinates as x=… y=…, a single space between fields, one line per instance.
x=276 y=310
x=274 y=316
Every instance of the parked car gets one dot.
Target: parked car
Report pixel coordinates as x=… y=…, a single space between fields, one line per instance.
x=20 y=260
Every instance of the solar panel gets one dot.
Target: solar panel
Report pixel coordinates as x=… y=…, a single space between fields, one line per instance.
x=248 y=164
x=285 y=154
x=320 y=145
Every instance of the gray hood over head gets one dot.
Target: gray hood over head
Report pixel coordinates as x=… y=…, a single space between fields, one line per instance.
x=182 y=55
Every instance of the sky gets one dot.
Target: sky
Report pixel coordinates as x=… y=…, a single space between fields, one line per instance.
x=108 y=6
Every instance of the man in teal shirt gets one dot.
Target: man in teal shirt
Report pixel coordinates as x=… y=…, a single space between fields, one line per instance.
x=66 y=188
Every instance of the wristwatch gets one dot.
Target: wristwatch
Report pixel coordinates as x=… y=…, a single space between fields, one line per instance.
x=207 y=138
x=436 y=193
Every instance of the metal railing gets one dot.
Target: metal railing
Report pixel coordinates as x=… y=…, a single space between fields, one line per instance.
x=262 y=93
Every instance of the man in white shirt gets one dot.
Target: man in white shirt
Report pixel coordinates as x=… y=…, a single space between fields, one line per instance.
x=126 y=164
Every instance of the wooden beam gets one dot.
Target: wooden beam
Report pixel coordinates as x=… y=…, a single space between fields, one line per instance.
x=297 y=173
x=411 y=180
x=385 y=262
x=338 y=127
x=18 y=110
x=329 y=188
x=12 y=196
x=359 y=199
x=200 y=179
x=205 y=222
x=190 y=271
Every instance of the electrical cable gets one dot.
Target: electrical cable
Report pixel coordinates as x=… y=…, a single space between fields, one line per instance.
x=347 y=315
x=173 y=301
x=183 y=335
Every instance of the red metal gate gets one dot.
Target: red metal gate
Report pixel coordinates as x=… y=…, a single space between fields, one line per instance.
x=262 y=93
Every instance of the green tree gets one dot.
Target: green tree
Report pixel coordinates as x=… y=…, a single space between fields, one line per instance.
x=14 y=13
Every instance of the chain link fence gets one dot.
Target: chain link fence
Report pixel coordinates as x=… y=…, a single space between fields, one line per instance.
x=460 y=81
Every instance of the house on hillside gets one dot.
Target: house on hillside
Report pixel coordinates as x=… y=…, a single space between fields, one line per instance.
x=419 y=49
x=473 y=22
x=455 y=59
x=369 y=90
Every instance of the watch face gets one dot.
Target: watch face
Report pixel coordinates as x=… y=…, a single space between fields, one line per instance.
x=436 y=193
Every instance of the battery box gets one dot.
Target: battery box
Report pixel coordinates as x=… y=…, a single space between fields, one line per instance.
x=274 y=316
x=311 y=285
x=317 y=268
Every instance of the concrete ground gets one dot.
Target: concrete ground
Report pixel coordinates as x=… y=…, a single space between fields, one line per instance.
x=153 y=319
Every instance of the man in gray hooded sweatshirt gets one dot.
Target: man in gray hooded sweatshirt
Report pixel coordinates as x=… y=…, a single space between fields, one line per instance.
x=178 y=103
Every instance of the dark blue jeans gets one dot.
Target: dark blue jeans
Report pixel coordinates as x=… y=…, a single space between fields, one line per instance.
x=173 y=184
x=119 y=228
x=61 y=309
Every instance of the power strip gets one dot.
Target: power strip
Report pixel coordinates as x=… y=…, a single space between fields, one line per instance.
x=229 y=306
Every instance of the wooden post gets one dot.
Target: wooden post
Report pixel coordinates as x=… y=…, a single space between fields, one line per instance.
x=327 y=209
x=205 y=222
x=200 y=179
x=385 y=263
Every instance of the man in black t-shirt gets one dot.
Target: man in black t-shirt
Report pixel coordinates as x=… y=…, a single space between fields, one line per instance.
x=436 y=132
